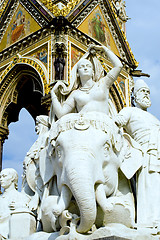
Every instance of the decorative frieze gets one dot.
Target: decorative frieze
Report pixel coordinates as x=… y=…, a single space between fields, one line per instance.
x=57 y=27
x=24 y=43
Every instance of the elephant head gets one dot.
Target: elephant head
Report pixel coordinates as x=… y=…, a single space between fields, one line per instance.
x=84 y=158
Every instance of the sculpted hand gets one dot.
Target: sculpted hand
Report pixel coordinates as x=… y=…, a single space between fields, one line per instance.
x=109 y=207
x=56 y=87
x=32 y=205
x=57 y=210
x=93 y=48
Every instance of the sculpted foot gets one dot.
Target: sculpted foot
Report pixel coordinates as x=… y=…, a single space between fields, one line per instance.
x=57 y=210
x=54 y=222
x=63 y=202
x=108 y=207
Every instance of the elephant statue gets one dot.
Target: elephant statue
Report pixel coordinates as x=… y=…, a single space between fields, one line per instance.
x=85 y=163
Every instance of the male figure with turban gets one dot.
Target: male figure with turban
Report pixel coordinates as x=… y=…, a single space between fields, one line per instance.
x=144 y=128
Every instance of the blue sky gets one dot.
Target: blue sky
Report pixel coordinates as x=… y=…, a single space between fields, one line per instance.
x=22 y=136
x=144 y=38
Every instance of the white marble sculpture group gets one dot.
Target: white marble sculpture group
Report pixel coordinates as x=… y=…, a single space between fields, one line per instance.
x=77 y=175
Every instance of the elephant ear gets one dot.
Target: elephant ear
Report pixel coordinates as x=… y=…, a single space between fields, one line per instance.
x=31 y=176
x=46 y=166
x=131 y=156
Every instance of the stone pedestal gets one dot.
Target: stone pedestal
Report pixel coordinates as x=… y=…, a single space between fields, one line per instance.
x=112 y=238
x=22 y=224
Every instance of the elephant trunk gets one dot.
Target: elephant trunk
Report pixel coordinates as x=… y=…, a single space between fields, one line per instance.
x=82 y=186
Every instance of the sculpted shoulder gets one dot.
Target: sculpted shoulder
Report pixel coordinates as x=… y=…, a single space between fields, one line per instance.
x=127 y=110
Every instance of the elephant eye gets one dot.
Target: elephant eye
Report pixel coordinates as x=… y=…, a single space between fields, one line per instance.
x=59 y=153
x=106 y=148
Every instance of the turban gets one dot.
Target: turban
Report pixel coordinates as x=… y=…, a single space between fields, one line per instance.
x=139 y=84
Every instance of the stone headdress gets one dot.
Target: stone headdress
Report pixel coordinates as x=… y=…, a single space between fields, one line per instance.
x=74 y=81
x=140 y=84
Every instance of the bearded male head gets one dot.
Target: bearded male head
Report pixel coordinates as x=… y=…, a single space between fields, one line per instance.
x=142 y=95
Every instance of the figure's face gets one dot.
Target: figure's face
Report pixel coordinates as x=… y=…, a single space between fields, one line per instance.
x=143 y=98
x=85 y=69
x=6 y=179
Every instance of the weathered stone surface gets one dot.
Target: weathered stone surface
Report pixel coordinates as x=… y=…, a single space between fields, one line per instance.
x=112 y=238
x=22 y=224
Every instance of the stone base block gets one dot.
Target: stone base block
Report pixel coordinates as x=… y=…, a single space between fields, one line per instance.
x=112 y=238
x=22 y=224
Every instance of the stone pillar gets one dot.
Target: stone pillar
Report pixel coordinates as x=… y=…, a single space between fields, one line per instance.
x=3 y=135
x=22 y=224
x=112 y=238
x=1 y=152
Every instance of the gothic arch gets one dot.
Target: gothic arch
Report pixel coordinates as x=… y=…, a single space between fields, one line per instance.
x=23 y=84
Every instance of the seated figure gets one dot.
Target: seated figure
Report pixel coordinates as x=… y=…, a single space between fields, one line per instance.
x=92 y=92
x=82 y=131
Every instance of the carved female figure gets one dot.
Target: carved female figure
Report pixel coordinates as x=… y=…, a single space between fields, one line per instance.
x=91 y=94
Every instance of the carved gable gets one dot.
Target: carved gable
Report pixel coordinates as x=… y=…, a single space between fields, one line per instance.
x=96 y=27
x=21 y=25
x=35 y=35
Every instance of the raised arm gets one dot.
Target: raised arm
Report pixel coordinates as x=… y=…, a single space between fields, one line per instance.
x=61 y=109
x=117 y=65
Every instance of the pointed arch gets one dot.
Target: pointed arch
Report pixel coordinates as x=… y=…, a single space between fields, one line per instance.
x=22 y=85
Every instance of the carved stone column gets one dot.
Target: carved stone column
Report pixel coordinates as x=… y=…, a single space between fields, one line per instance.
x=3 y=135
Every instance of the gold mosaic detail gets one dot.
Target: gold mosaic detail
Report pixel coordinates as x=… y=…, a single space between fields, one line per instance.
x=50 y=63
x=124 y=35
x=69 y=55
x=120 y=93
x=31 y=63
x=2 y=7
x=60 y=12
x=129 y=93
x=52 y=7
x=103 y=64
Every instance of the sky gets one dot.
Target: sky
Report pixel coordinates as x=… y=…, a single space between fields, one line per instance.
x=143 y=36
